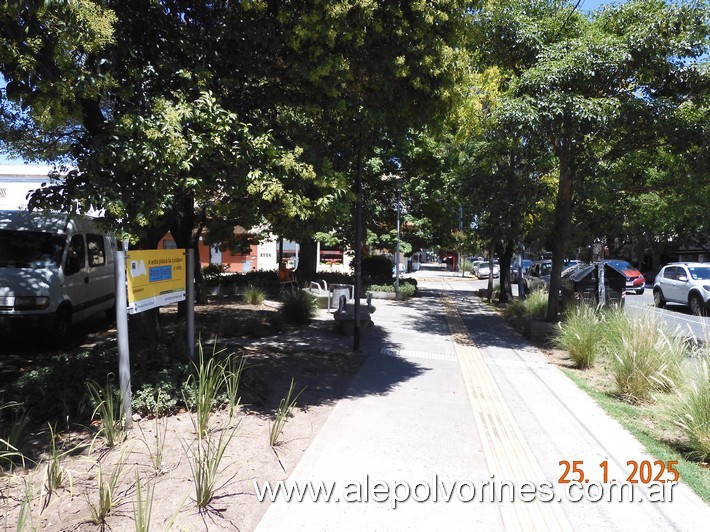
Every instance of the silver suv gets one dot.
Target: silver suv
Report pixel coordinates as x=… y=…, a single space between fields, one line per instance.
x=687 y=283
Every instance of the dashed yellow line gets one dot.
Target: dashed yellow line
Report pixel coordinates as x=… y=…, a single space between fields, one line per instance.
x=507 y=453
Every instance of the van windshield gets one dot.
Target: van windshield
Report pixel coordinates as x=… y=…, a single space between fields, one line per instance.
x=30 y=249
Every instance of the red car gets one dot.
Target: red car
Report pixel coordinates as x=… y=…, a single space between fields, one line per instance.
x=635 y=281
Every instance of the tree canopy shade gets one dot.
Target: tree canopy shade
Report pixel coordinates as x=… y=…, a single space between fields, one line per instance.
x=596 y=89
x=250 y=102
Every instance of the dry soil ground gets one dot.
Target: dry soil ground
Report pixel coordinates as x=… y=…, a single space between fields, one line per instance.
x=319 y=361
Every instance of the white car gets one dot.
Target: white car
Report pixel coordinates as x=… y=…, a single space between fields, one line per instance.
x=483 y=270
x=687 y=283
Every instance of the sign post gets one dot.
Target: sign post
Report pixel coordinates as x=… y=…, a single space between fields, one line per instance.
x=191 y=304
x=124 y=363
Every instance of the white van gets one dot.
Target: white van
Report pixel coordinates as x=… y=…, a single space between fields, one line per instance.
x=55 y=270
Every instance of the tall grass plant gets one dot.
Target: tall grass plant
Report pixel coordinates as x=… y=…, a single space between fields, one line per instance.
x=690 y=409
x=109 y=408
x=645 y=359
x=579 y=335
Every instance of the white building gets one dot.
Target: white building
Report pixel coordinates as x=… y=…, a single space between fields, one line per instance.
x=17 y=181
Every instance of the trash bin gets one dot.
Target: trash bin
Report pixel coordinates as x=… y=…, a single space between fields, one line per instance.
x=337 y=290
x=583 y=285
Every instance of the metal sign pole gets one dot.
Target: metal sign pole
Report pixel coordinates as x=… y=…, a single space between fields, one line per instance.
x=124 y=364
x=602 y=282
x=190 y=296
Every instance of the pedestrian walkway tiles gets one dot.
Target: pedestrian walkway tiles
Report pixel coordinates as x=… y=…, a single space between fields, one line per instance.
x=507 y=453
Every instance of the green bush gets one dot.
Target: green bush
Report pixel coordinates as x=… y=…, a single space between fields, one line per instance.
x=213 y=273
x=261 y=279
x=535 y=305
x=515 y=309
x=405 y=290
x=162 y=396
x=389 y=288
x=691 y=411
x=408 y=281
x=579 y=335
x=376 y=269
x=298 y=307
x=253 y=295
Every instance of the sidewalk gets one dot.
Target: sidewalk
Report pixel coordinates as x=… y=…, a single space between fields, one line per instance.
x=469 y=406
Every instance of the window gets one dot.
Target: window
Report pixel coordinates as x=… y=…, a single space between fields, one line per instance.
x=30 y=249
x=698 y=273
x=76 y=256
x=671 y=273
x=240 y=247
x=97 y=251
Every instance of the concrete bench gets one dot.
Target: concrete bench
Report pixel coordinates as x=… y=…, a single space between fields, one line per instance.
x=345 y=315
x=319 y=290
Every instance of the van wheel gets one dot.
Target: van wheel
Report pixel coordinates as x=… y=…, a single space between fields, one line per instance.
x=62 y=323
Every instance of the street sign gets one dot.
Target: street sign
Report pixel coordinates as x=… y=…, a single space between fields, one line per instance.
x=155 y=277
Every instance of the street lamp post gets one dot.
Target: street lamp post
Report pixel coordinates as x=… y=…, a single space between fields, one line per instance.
x=398 y=179
x=396 y=253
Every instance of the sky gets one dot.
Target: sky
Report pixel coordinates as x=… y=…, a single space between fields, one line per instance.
x=584 y=5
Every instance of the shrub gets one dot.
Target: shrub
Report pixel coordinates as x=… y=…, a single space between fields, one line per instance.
x=254 y=295
x=535 y=304
x=405 y=290
x=645 y=358
x=377 y=269
x=298 y=307
x=691 y=411
x=579 y=335
x=213 y=272
x=515 y=309
x=389 y=288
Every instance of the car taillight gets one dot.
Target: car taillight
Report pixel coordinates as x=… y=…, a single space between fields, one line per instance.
x=31 y=303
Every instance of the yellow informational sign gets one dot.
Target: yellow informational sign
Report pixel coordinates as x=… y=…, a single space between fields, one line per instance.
x=155 y=277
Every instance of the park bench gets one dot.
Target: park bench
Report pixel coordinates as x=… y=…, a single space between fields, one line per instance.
x=345 y=315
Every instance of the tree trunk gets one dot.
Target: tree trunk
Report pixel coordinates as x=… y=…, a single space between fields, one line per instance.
x=307 y=260
x=561 y=233
x=490 y=272
x=506 y=291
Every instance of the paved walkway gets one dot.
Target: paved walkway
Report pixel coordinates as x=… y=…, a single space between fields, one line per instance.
x=470 y=414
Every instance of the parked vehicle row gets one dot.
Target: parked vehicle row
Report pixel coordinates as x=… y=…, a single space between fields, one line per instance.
x=526 y=263
x=538 y=275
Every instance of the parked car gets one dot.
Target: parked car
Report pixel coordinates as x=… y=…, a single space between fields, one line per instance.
x=482 y=270
x=55 y=271
x=514 y=269
x=538 y=276
x=687 y=283
x=635 y=281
